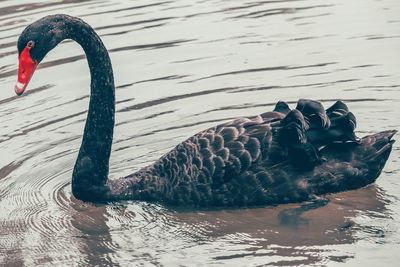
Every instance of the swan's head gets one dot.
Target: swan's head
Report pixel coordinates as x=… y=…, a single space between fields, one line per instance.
x=34 y=43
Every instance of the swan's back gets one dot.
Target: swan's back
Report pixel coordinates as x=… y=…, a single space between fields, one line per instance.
x=246 y=162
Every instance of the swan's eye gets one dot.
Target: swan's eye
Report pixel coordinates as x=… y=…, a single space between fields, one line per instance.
x=30 y=44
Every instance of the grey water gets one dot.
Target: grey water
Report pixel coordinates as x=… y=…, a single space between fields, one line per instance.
x=180 y=67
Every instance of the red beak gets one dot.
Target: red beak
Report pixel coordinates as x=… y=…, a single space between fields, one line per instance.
x=25 y=71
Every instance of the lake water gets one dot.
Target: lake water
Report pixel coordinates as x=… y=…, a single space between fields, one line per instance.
x=180 y=67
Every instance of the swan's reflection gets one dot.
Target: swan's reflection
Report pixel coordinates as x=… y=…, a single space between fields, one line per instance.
x=94 y=238
x=309 y=229
x=295 y=233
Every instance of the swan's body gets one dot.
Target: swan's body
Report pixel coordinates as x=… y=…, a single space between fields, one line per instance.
x=277 y=157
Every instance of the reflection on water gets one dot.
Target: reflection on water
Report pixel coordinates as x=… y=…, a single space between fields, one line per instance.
x=180 y=67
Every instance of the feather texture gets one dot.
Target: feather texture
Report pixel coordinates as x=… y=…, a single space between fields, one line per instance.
x=267 y=159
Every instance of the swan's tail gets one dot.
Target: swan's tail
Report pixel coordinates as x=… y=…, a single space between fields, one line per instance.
x=375 y=149
x=355 y=165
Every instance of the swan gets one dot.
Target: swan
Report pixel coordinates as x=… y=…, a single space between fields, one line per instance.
x=281 y=156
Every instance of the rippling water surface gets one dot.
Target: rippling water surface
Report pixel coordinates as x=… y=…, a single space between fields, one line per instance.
x=180 y=67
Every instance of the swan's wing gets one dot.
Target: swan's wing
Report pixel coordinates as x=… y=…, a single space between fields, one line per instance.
x=198 y=168
x=210 y=162
x=245 y=162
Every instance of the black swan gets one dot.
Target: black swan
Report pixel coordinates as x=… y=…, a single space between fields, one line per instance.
x=277 y=157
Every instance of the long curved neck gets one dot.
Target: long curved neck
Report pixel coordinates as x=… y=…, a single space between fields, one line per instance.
x=91 y=168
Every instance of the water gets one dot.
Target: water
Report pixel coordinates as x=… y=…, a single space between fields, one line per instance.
x=180 y=67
